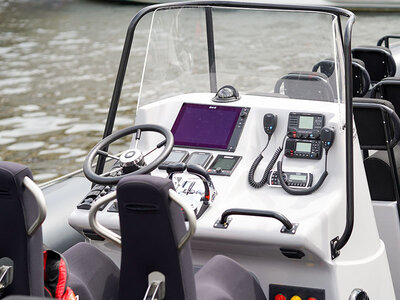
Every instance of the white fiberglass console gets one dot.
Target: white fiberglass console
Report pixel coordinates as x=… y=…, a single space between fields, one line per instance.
x=227 y=149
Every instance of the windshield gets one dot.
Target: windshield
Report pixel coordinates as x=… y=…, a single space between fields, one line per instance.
x=274 y=53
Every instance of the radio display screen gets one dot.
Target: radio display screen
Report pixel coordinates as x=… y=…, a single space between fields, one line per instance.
x=298 y=177
x=205 y=126
x=303 y=147
x=306 y=122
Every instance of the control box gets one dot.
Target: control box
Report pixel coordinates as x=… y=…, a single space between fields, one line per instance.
x=295 y=292
x=310 y=149
x=292 y=179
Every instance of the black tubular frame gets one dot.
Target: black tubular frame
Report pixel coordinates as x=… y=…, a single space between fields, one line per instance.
x=337 y=243
x=386 y=40
x=389 y=118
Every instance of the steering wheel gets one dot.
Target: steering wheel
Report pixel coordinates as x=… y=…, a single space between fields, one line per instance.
x=130 y=157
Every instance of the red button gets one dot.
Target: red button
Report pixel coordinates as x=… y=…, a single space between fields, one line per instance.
x=280 y=297
x=312 y=298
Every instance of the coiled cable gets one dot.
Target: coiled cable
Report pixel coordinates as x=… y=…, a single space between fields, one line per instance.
x=264 y=179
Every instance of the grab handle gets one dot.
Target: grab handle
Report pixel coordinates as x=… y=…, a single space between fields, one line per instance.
x=257 y=213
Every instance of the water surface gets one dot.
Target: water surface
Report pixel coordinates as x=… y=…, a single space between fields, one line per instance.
x=58 y=63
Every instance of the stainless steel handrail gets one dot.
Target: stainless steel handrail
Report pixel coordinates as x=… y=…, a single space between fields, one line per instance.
x=41 y=202
x=116 y=238
x=191 y=217
x=96 y=226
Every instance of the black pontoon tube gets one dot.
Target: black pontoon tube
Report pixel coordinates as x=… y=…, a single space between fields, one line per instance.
x=337 y=243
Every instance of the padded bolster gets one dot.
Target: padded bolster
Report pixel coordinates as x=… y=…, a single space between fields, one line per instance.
x=221 y=278
x=18 y=210
x=92 y=274
x=379 y=176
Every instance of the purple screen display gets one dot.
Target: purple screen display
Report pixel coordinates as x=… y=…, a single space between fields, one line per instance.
x=205 y=126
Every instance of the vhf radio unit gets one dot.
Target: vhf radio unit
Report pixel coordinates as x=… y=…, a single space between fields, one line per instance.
x=296 y=148
x=305 y=125
x=304 y=130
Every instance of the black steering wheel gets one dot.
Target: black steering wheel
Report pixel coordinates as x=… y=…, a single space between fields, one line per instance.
x=128 y=157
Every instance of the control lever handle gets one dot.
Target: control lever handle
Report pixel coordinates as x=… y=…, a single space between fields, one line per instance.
x=197 y=169
x=173 y=168
x=209 y=189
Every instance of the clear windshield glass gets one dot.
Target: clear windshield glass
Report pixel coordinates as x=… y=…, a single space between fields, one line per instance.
x=273 y=53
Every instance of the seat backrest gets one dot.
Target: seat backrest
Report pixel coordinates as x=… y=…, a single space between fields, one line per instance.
x=372 y=118
x=378 y=60
x=361 y=79
x=388 y=89
x=378 y=128
x=305 y=85
x=18 y=210
x=151 y=226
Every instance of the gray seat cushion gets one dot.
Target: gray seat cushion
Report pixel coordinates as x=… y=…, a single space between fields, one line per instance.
x=92 y=274
x=224 y=279
x=380 y=181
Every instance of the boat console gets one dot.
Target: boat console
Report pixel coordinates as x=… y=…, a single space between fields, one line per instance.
x=224 y=140
x=269 y=176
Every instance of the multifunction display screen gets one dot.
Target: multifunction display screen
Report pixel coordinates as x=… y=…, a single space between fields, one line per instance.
x=206 y=126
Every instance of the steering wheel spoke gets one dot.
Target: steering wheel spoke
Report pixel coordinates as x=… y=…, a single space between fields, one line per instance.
x=104 y=153
x=128 y=156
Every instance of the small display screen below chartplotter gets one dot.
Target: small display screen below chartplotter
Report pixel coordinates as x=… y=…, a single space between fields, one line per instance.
x=199 y=158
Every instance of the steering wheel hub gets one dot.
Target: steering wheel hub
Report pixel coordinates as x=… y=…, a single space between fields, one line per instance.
x=131 y=157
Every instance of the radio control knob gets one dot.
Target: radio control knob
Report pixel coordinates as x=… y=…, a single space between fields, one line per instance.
x=315 y=134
